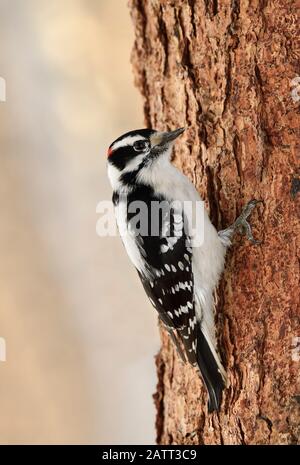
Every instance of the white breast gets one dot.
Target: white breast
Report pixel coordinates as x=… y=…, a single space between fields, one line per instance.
x=128 y=238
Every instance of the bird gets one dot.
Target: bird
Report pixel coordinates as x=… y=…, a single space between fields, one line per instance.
x=179 y=266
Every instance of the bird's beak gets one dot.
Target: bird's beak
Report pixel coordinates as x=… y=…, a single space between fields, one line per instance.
x=163 y=138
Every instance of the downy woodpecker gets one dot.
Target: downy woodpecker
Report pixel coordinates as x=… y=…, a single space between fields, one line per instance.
x=178 y=275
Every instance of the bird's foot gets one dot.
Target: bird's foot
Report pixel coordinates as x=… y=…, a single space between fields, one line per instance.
x=241 y=224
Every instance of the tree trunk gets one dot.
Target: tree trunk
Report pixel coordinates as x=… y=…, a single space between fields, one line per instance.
x=226 y=70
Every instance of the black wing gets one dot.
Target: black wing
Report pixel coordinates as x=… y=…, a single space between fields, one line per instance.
x=170 y=287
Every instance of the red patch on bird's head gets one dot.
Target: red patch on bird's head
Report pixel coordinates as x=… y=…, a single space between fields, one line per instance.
x=109 y=152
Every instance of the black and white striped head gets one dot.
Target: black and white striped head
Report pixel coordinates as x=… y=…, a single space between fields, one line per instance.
x=138 y=151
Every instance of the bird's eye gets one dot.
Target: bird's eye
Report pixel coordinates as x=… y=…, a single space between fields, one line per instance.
x=140 y=145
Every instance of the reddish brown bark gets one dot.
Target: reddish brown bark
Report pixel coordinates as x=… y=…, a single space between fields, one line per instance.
x=225 y=70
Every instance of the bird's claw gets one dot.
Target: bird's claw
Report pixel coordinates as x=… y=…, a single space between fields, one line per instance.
x=243 y=225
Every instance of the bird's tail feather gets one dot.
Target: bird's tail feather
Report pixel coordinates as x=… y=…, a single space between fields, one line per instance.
x=211 y=370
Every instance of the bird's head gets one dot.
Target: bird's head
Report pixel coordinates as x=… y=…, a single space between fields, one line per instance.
x=138 y=151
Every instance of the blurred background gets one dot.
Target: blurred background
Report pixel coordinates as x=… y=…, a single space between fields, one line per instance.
x=80 y=334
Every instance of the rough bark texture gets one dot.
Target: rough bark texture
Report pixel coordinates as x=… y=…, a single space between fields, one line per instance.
x=225 y=70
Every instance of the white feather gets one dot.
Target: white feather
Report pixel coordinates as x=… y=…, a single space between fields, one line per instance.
x=129 y=240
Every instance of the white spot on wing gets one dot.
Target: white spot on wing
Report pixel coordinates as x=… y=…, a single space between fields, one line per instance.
x=192 y=322
x=164 y=248
x=172 y=240
x=181 y=266
x=184 y=309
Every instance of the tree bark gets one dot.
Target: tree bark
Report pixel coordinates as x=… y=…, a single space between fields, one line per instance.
x=225 y=70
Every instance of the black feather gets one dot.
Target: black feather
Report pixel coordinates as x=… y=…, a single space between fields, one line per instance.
x=210 y=372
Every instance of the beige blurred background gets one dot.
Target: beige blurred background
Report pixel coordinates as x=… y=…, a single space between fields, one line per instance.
x=80 y=335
